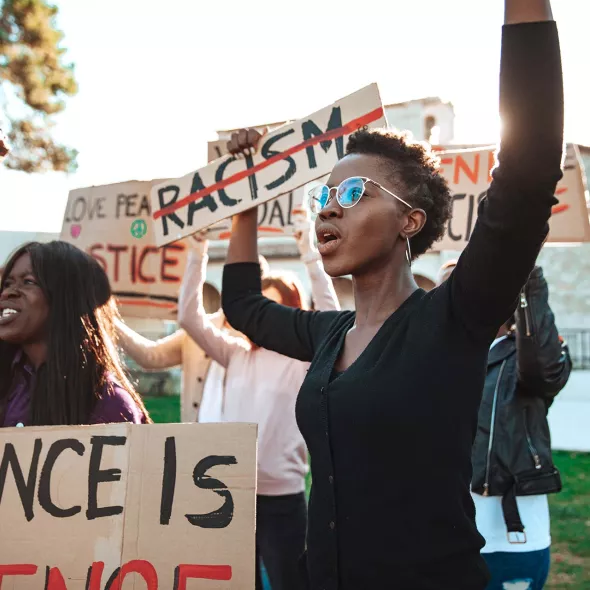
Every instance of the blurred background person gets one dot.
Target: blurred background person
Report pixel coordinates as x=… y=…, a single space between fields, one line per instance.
x=513 y=469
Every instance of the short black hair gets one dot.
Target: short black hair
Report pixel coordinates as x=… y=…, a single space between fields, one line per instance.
x=415 y=167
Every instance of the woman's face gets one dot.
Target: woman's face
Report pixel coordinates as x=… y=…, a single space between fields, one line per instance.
x=24 y=311
x=353 y=240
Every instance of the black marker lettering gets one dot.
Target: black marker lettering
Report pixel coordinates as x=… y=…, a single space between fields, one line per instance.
x=130 y=201
x=290 y=210
x=310 y=129
x=44 y=493
x=100 y=211
x=470 y=217
x=276 y=211
x=121 y=200
x=252 y=179
x=267 y=153
x=96 y=475
x=206 y=201
x=262 y=211
x=144 y=207
x=223 y=196
x=168 y=480
x=79 y=209
x=220 y=518
x=26 y=489
x=163 y=204
x=453 y=236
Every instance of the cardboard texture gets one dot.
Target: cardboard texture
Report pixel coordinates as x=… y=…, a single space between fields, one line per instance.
x=156 y=475
x=288 y=158
x=468 y=174
x=113 y=224
x=275 y=218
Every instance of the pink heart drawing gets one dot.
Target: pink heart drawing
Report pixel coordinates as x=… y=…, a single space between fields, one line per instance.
x=75 y=230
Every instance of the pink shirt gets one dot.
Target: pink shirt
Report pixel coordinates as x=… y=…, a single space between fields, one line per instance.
x=261 y=386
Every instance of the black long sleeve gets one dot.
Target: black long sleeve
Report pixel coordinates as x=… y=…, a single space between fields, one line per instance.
x=513 y=219
x=292 y=332
x=391 y=437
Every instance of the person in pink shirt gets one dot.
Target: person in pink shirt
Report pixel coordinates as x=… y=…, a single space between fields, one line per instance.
x=58 y=359
x=261 y=387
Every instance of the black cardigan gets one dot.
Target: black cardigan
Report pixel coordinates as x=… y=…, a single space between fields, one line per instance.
x=390 y=438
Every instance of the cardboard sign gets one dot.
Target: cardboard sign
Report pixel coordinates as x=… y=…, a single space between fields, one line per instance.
x=274 y=217
x=146 y=507
x=287 y=158
x=468 y=174
x=113 y=224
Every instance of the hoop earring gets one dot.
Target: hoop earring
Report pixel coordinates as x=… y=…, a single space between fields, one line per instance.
x=408 y=251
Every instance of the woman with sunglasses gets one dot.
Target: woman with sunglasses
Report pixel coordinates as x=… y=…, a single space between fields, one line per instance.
x=389 y=405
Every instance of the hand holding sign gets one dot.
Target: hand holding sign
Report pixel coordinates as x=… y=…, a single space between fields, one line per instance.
x=198 y=243
x=288 y=157
x=244 y=141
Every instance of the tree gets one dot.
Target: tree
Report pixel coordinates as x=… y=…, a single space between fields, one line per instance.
x=34 y=82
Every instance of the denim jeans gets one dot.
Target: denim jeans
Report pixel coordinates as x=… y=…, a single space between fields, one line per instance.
x=518 y=571
x=281 y=524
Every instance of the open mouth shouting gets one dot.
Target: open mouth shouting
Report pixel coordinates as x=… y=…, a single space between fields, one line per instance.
x=329 y=238
x=7 y=315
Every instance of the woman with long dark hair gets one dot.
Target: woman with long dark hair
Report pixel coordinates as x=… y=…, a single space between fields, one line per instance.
x=389 y=405
x=58 y=359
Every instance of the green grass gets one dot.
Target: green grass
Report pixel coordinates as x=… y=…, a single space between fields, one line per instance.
x=570 y=524
x=163 y=409
x=570 y=510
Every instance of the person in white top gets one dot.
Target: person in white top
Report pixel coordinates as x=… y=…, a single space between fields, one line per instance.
x=201 y=393
x=513 y=471
x=261 y=387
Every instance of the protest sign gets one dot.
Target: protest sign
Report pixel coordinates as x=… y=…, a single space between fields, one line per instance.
x=275 y=218
x=112 y=223
x=468 y=175
x=123 y=507
x=288 y=158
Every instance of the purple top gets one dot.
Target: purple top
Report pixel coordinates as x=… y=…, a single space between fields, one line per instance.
x=114 y=405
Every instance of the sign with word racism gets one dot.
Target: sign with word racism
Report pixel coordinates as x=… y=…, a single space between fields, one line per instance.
x=128 y=507
x=288 y=158
x=468 y=174
x=113 y=224
x=275 y=218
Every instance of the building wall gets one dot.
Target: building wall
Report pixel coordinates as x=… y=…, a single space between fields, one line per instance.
x=412 y=116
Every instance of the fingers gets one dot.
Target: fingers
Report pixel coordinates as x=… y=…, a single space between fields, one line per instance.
x=244 y=141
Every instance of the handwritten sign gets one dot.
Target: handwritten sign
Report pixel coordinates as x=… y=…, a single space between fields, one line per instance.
x=468 y=174
x=275 y=218
x=288 y=158
x=128 y=507
x=113 y=224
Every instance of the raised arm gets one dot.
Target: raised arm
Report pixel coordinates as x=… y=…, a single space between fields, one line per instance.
x=322 y=289
x=543 y=361
x=149 y=354
x=218 y=344
x=513 y=219
x=292 y=332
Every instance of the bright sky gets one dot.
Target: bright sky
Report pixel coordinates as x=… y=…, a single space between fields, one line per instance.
x=158 y=78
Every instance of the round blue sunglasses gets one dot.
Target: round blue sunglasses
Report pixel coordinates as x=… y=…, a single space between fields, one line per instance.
x=348 y=193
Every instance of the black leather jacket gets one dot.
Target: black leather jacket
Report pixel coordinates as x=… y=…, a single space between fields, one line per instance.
x=512 y=449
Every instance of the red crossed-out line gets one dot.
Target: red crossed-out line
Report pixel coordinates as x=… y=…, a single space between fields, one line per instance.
x=329 y=135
